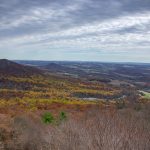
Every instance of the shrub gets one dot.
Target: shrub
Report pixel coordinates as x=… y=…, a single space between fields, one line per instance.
x=62 y=116
x=120 y=104
x=137 y=107
x=48 y=118
x=2 y=132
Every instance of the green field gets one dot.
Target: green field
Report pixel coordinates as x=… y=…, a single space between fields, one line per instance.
x=146 y=94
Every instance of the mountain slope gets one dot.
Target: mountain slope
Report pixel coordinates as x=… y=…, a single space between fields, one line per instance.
x=58 y=68
x=10 y=68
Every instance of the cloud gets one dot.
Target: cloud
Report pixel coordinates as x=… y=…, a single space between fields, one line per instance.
x=36 y=16
x=77 y=25
x=107 y=31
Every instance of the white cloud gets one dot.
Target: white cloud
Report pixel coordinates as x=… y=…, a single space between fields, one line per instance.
x=99 y=34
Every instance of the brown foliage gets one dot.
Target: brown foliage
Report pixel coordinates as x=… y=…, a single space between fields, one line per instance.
x=106 y=129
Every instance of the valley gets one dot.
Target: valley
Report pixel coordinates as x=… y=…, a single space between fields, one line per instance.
x=83 y=99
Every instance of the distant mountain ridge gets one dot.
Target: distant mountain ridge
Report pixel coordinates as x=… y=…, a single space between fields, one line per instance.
x=59 y=68
x=56 y=67
x=10 y=68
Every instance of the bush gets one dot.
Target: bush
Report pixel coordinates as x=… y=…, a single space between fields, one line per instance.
x=48 y=118
x=120 y=104
x=103 y=130
x=137 y=107
x=62 y=116
x=2 y=132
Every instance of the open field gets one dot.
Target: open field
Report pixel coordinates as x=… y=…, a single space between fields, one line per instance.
x=146 y=95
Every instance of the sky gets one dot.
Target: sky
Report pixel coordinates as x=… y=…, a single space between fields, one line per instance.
x=85 y=30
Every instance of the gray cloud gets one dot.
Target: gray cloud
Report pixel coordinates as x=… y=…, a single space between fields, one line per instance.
x=77 y=24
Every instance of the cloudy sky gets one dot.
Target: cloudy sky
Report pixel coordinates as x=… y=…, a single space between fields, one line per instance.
x=87 y=30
